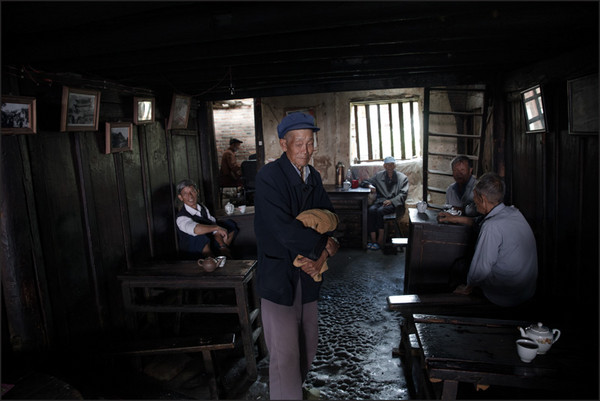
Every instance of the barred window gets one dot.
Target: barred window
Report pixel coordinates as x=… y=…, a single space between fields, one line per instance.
x=380 y=129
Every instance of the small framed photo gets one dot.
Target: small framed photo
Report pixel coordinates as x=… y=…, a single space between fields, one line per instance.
x=80 y=109
x=143 y=110
x=180 y=112
x=582 y=93
x=18 y=115
x=118 y=137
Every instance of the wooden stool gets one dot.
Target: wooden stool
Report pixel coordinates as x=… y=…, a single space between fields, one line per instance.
x=387 y=219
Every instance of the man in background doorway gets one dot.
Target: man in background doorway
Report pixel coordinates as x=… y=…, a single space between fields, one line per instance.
x=231 y=172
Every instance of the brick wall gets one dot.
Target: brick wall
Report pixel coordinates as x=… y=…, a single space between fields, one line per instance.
x=235 y=122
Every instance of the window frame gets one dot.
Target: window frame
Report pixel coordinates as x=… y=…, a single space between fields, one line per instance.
x=395 y=127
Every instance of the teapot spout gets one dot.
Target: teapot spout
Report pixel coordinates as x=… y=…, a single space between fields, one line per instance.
x=523 y=334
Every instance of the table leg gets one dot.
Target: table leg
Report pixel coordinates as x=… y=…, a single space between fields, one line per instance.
x=449 y=390
x=364 y=222
x=262 y=346
x=241 y=296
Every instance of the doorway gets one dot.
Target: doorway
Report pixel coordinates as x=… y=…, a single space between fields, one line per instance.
x=234 y=119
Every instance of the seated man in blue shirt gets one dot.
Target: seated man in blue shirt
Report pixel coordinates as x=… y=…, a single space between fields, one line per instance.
x=504 y=265
x=199 y=233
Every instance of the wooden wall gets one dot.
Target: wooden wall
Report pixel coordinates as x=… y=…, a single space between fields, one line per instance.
x=553 y=179
x=73 y=218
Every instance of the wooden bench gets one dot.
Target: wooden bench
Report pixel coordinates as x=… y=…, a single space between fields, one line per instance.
x=206 y=345
x=431 y=303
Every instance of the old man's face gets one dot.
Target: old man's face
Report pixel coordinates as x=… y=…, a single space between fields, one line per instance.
x=189 y=196
x=462 y=172
x=298 y=146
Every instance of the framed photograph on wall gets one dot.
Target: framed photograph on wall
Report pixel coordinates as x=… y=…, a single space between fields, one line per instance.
x=118 y=137
x=18 y=115
x=143 y=110
x=582 y=94
x=180 y=112
x=80 y=109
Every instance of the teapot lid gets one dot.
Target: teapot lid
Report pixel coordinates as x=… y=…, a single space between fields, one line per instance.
x=539 y=328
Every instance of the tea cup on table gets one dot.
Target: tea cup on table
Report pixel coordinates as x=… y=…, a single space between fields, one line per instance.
x=421 y=206
x=527 y=349
x=242 y=209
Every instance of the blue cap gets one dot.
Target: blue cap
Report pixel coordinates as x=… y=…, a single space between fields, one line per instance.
x=296 y=120
x=389 y=159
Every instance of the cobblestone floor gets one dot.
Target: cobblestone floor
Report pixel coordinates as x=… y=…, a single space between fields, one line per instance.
x=356 y=331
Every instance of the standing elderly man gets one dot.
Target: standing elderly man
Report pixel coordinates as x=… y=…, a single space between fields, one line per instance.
x=504 y=265
x=284 y=189
x=231 y=171
x=460 y=193
x=392 y=188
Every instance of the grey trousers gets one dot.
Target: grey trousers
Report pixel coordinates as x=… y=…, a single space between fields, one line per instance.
x=291 y=335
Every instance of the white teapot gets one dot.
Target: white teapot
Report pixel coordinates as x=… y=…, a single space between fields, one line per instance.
x=541 y=335
x=229 y=208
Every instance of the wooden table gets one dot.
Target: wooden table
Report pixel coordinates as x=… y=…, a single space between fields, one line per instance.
x=235 y=274
x=432 y=250
x=353 y=202
x=483 y=352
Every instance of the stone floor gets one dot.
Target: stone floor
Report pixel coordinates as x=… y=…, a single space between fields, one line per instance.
x=356 y=331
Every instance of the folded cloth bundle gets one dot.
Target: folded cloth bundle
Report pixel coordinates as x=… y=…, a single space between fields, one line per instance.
x=322 y=221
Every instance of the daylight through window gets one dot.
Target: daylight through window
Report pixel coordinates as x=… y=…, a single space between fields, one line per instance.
x=380 y=129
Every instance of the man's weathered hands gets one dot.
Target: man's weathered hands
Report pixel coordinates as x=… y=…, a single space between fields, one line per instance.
x=444 y=217
x=313 y=267
x=387 y=202
x=332 y=246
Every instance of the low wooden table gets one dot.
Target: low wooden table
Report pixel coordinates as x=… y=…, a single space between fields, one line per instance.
x=483 y=352
x=235 y=274
x=432 y=250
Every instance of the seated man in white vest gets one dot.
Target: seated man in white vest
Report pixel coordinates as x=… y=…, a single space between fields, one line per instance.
x=199 y=233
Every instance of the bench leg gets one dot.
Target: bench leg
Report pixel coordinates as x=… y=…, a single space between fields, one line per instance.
x=209 y=366
x=449 y=390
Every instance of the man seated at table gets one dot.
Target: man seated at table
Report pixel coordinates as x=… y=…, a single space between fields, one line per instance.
x=504 y=265
x=460 y=193
x=199 y=233
x=391 y=187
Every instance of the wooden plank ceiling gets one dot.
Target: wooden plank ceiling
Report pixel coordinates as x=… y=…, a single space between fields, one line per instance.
x=206 y=49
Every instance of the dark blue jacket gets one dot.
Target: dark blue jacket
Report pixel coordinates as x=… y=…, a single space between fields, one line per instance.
x=280 y=197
